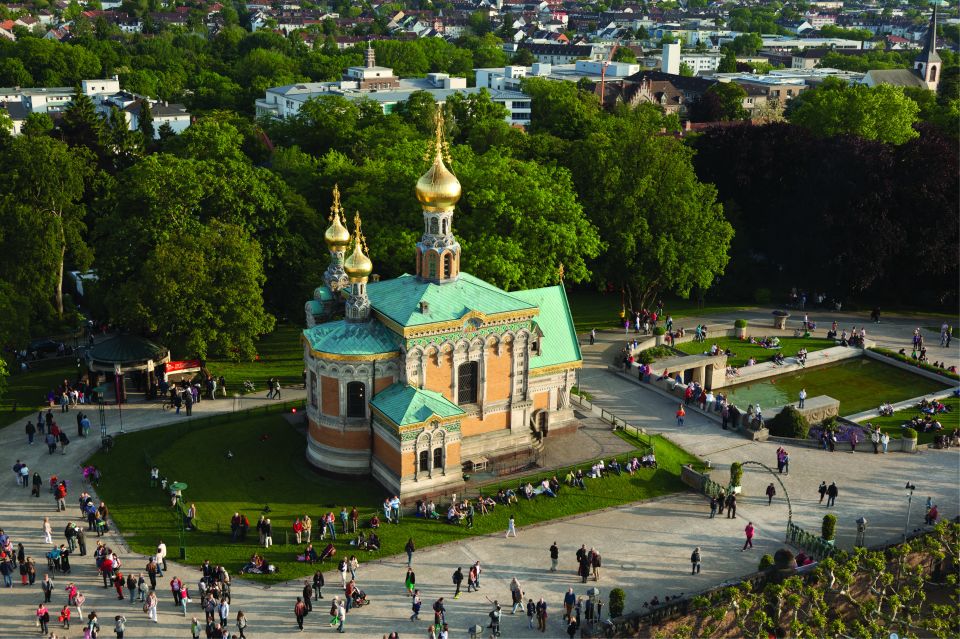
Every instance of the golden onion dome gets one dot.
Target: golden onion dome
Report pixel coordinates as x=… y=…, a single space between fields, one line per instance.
x=438 y=188
x=357 y=265
x=336 y=236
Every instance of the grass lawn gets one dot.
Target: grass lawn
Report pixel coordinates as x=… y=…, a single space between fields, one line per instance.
x=860 y=384
x=743 y=350
x=602 y=310
x=892 y=423
x=28 y=391
x=269 y=467
x=280 y=355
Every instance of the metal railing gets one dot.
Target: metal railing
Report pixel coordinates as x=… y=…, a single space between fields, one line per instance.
x=815 y=545
x=612 y=419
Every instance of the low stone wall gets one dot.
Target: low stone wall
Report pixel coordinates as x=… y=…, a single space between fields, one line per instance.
x=913 y=369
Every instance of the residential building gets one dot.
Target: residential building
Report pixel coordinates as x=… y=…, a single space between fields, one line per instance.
x=379 y=84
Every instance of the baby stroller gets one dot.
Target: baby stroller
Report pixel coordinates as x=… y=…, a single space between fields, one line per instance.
x=328 y=552
x=359 y=598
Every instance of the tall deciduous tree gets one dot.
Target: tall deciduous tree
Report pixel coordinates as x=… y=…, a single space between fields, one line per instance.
x=663 y=228
x=881 y=113
x=204 y=291
x=48 y=178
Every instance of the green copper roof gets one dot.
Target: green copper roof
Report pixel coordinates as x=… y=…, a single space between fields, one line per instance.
x=351 y=338
x=560 y=343
x=399 y=299
x=127 y=348
x=405 y=405
x=323 y=294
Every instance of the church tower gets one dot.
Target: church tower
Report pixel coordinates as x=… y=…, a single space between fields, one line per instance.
x=927 y=65
x=438 y=190
x=337 y=238
x=358 y=268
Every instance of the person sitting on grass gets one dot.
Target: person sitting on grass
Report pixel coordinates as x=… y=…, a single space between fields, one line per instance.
x=547 y=490
x=375 y=521
x=373 y=542
x=528 y=491
x=614 y=465
x=486 y=504
x=453 y=515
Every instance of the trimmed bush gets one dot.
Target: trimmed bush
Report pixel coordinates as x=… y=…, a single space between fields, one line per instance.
x=829 y=529
x=649 y=355
x=766 y=562
x=740 y=323
x=909 y=433
x=784 y=559
x=617 y=599
x=789 y=423
x=831 y=425
x=736 y=473
x=659 y=330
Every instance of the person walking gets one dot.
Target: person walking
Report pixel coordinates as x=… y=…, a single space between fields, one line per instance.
x=195 y=628
x=595 y=563
x=516 y=596
x=822 y=490
x=411 y=581
x=299 y=611
x=854 y=440
x=31 y=431
x=457 y=581
x=415 y=607
x=241 y=624
x=731 y=506
x=874 y=438
x=554 y=557
x=542 y=615
x=410 y=548
x=721 y=501
x=511 y=527
x=884 y=441
x=771 y=491
x=748 y=532
x=803 y=397
x=43 y=618
x=151 y=606
x=569 y=599
x=681 y=413
x=318 y=584
x=341 y=610
x=473 y=578
x=713 y=507
x=119 y=625
x=695 y=561
x=531 y=613
x=832 y=494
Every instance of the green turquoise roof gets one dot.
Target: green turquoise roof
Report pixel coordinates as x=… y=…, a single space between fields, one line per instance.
x=351 y=338
x=323 y=294
x=405 y=405
x=399 y=299
x=560 y=343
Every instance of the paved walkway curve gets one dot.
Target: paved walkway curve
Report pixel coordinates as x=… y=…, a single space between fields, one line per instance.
x=645 y=547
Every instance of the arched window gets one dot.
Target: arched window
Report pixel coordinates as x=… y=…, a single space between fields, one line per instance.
x=313 y=390
x=467 y=375
x=356 y=399
x=433 y=226
x=447 y=265
x=438 y=458
x=432 y=261
x=933 y=73
x=445 y=225
x=424 y=460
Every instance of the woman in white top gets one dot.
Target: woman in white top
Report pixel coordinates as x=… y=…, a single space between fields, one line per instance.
x=47 y=531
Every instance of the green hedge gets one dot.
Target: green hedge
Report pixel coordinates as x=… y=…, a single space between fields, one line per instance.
x=765 y=562
x=789 y=423
x=906 y=359
x=829 y=529
x=740 y=323
x=649 y=355
x=736 y=474
x=617 y=599
x=909 y=433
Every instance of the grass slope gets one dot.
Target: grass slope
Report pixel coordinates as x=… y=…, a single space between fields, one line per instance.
x=268 y=467
x=743 y=350
x=28 y=391
x=892 y=423
x=280 y=355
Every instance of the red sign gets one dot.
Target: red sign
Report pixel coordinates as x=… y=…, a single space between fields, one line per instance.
x=182 y=366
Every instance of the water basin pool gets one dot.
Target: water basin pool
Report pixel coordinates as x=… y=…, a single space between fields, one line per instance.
x=860 y=384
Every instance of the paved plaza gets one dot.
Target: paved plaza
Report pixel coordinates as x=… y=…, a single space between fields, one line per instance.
x=645 y=547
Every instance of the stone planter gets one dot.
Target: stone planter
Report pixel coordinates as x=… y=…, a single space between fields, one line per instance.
x=908 y=445
x=741 y=333
x=659 y=340
x=780 y=319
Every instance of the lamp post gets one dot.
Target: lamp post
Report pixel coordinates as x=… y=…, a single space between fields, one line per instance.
x=906 y=524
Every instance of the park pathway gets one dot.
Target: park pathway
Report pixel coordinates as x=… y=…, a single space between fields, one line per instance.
x=645 y=547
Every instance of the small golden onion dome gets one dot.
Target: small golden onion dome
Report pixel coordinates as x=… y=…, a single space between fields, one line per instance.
x=438 y=188
x=358 y=266
x=337 y=236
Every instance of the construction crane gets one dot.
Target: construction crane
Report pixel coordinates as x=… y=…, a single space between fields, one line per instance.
x=603 y=71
